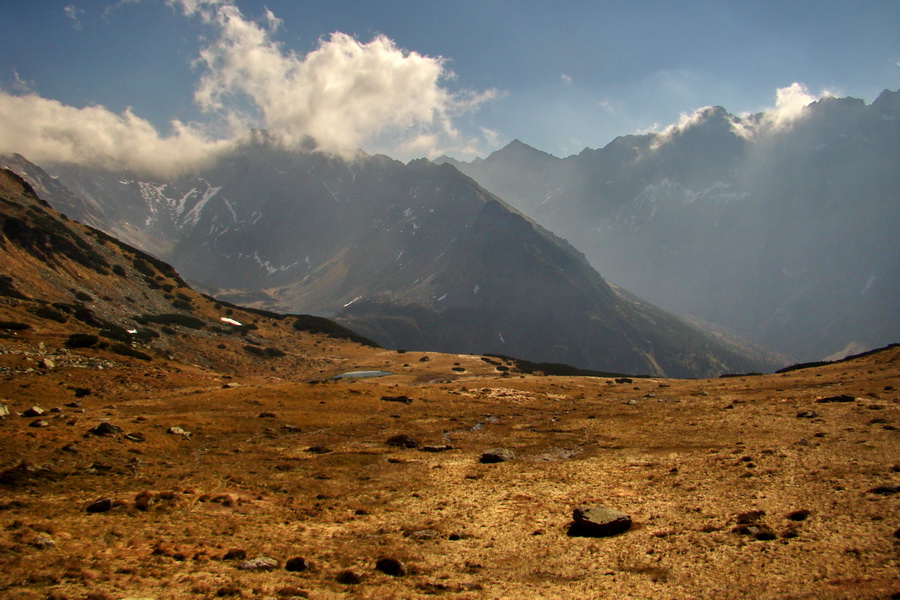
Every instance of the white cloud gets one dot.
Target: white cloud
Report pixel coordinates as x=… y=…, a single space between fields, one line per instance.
x=566 y=79
x=490 y=136
x=790 y=103
x=49 y=131
x=22 y=86
x=345 y=94
x=72 y=12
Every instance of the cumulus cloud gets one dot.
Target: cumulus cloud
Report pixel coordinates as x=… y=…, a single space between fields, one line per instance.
x=789 y=104
x=48 y=131
x=566 y=79
x=343 y=95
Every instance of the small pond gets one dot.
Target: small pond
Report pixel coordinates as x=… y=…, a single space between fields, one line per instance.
x=361 y=374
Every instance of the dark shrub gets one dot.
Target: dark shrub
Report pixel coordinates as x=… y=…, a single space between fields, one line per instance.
x=45 y=312
x=8 y=289
x=82 y=340
x=264 y=352
x=182 y=304
x=129 y=351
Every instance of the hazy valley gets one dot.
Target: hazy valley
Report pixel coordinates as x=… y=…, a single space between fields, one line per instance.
x=783 y=232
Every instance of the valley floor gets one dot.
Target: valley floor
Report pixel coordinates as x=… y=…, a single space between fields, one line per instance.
x=300 y=468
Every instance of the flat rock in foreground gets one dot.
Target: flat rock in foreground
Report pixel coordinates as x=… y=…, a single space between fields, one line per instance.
x=598 y=521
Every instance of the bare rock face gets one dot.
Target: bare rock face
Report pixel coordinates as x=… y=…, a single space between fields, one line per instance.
x=598 y=521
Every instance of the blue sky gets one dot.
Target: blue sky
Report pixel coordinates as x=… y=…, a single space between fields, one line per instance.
x=557 y=75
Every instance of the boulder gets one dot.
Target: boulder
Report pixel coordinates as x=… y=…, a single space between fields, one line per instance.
x=402 y=441
x=100 y=506
x=497 y=455
x=839 y=398
x=179 y=432
x=296 y=564
x=598 y=521
x=391 y=566
x=105 y=428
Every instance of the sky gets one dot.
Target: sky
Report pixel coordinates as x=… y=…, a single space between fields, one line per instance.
x=154 y=84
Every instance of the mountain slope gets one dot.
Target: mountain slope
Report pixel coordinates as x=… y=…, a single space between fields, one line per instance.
x=94 y=301
x=414 y=256
x=785 y=234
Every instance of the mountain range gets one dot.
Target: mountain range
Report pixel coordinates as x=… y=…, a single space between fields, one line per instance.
x=784 y=231
x=413 y=256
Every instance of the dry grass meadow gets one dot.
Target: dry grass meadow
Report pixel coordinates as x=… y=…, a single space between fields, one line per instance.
x=287 y=466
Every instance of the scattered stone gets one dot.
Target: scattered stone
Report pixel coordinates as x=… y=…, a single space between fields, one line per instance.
x=401 y=399
x=263 y=563
x=348 y=577
x=391 y=566
x=70 y=447
x=624 y=380
x=748 y=523
x=598 y=521
x=135 y=437
x=40 y=423
x=100 y=506
x=807 y=414
x=290 y=428
x=42 y=541
x=440 y=448
x=319 y=450
x=105 y=428
x=266 y=415
x=46 y=363
x=4 y=410
x=296 y=564
x=34 y=411
x=424 y=359
x=885 y=490
x=758 y=531
x=497 y=455
x=81 y=392
x=839 y=398
x=751 y=516
x=798 y=515
x=423 y=535
x=179 y=431
x=402 y=441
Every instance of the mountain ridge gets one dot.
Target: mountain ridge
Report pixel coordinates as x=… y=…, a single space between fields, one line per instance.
x=779 y=230
x=393 y=251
